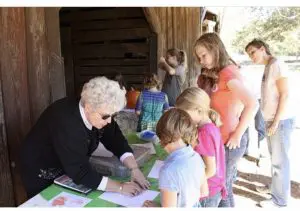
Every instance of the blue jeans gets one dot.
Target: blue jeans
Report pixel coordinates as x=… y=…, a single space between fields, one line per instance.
x=279 y=145
x=197 y=205
x=232 y=156
x=213 y=201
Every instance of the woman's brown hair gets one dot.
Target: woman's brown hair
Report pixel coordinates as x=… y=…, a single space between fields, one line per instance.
x=213 y=43
x=257 y=43
x=176 y=124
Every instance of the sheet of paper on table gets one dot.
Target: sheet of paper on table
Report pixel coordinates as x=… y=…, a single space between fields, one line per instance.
x=148 y=145
x=69 y=200
x=129 y=201
x=154 y=173
x=36 y=201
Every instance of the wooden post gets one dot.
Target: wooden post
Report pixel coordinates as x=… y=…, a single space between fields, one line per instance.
x=6 y=190
x=155 y=26
x=15 y=89
x=66 y=41
x=38 y=61
x=56 y=66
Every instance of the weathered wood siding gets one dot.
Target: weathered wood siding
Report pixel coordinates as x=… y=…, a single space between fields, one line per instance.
x=14 y=77
x=29 y=84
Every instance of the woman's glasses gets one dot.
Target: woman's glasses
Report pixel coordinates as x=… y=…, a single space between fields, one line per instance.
x=106 y=116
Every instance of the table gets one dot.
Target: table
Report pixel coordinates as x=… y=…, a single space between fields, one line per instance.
x=53 y=190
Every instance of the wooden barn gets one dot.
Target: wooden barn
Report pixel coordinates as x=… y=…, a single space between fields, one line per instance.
x=48 y=53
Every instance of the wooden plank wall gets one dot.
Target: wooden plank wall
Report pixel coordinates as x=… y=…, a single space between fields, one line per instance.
x=29 y=85
x=6 y=190
x=180 y=27
x=15 y=88
x=103 y=41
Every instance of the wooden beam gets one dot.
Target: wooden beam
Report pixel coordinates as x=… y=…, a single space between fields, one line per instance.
x=67 y=53
x=56 y=64
x=119 y=12
x=155 y=23
x=111 y=50
x=109 y=70
x=15 y=89
x=110 y=24
x=153 y=19
x=6 y=190
x=107 y=35
x=38 y=61
x=110 y=62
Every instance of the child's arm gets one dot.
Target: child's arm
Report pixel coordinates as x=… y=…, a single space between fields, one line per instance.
x=239 y=89
x=204 y=190
x=167 y=199
x=138 y=105
x=164 y=66
x=210 y=163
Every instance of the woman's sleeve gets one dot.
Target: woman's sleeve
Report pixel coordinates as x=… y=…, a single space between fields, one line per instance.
x=71 y=147
x=114 y=140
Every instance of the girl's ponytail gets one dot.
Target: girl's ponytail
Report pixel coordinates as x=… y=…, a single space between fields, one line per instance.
x=214 y=117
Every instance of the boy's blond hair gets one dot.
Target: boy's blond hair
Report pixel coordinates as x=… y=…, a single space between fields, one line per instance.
x=176 y=124
x=194 y=98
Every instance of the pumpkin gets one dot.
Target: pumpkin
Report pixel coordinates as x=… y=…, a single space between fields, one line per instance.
x=132 y=97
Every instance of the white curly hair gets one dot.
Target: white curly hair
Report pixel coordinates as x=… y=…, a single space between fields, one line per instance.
x=100 y=91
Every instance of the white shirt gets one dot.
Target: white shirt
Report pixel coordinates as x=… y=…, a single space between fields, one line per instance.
x=274 y=71
x=103 y=183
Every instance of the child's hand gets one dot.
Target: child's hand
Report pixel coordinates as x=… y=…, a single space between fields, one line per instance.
x=234 y=141
x=148 y=203
x=204 y=189
x=162 y=60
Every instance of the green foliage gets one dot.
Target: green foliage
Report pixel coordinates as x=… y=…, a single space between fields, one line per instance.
x=279 y=27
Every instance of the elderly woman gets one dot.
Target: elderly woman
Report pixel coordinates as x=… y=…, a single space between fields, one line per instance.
x=67 y=133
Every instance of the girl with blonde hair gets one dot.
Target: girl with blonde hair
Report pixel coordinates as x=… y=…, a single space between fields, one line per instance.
x=196 y=102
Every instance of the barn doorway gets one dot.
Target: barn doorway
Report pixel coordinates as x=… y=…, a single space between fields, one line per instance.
x=105 y=41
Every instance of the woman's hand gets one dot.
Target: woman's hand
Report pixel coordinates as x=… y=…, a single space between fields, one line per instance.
x=148 y=203
x=272 y=129
x=138 y=177
x=234 y=141
x=130 y=189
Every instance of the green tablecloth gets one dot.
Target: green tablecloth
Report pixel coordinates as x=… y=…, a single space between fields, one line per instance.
x=54 y=190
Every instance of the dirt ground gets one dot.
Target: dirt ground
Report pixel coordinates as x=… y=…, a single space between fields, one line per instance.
x=250 y=176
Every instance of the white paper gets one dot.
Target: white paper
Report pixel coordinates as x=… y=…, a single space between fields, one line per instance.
x=36 y=201
x=68 y=200
x=148 y=145
x=154 y=173
x=129 y=201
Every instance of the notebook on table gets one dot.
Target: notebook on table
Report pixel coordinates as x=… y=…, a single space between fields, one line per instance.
x=67 y=182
